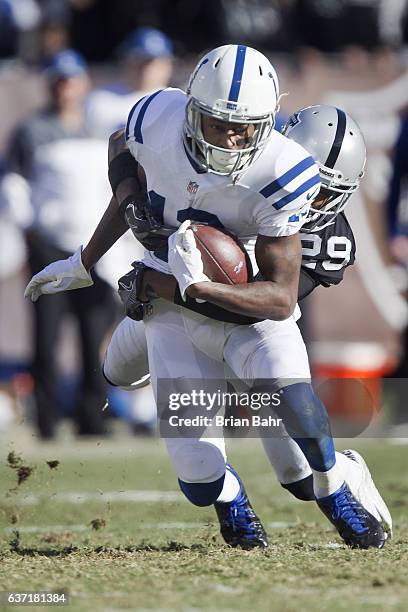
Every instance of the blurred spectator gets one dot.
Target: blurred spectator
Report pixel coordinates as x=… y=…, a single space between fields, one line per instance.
x=16 y=18
x=65 y=174
x=146 y=56
x=12 y=218
x=397 y=205
x=332 y=25
x=265 y=24
x=55 y=25
x=392 y=17
x=397 y=212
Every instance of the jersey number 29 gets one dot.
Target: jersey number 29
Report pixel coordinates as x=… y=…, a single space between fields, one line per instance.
x=338 y=251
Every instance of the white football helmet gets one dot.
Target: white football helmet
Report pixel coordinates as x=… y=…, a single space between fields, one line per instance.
x=237 y=84
x=337 y=145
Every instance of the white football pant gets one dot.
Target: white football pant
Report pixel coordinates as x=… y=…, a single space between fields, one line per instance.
x=181 y=346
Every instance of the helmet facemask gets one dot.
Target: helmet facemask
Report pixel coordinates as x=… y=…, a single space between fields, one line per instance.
x=234 y=84
x=335 y=142
x=338 y=195
x=215 y=159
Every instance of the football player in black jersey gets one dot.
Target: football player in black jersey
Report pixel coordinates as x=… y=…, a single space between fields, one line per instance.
x=335 y=142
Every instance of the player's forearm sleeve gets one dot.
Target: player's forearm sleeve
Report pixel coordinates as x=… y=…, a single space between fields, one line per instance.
x=306 y=284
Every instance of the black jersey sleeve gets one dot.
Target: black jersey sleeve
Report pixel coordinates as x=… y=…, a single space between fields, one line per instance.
x=306 y=284
x=327 y=253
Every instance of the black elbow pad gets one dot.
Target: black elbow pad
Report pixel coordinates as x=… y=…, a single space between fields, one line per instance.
x=120 y=168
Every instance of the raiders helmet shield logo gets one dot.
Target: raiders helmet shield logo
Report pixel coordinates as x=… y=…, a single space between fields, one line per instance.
x=291 y=122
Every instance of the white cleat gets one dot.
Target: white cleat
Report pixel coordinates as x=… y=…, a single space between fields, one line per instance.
x=364 y=490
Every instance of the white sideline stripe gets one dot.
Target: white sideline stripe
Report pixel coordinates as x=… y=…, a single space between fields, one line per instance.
x=81 y=497
x=47 y=528
x=161 y=525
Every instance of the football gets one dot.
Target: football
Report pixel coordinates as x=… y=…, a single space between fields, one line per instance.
x=224 y=257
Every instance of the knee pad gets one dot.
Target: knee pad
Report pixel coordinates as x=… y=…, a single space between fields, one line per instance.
x=143 y=381
x=302 y=489
x=202 y=493
x=126 y=363
x=198 y=461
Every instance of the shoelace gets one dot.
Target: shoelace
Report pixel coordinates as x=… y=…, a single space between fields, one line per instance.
x=240 y=513
x=350 y=511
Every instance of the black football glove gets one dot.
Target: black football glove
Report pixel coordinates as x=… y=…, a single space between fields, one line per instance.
x=148 y=231
x=129 y=286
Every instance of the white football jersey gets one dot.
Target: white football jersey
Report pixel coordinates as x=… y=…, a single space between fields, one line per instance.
x=271 y=197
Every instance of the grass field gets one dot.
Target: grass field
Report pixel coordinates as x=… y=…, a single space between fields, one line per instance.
x=108 y=526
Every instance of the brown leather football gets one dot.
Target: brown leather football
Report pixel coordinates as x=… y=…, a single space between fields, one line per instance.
x=224 y=258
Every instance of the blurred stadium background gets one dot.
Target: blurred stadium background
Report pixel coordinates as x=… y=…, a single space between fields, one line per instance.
x=350 y=53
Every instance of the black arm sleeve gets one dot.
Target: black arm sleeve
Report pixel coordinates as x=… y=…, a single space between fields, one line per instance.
x=306 y=284
x=121 y=167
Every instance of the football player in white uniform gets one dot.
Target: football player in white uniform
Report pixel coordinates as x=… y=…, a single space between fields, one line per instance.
x=328 y=248
x=212 y=155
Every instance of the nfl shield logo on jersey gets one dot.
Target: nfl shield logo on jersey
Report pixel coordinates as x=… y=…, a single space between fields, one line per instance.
x=192 y=187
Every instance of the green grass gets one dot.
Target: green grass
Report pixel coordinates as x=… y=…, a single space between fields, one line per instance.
x=138 y=560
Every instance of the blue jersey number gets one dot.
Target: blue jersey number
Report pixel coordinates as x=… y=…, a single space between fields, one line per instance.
x=201 y=216
x=157 y=203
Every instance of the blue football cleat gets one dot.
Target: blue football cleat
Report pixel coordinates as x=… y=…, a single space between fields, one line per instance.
x=357 y=527
x=239 y=524
x=361 y=484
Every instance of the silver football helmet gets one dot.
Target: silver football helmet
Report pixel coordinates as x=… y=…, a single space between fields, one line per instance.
x=236 y=84
x=337 y=145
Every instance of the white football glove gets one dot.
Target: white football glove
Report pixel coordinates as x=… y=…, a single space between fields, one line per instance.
x=185 y=259
x=58 y=276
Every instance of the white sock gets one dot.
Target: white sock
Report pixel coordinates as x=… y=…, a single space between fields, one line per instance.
x=230 y=489
x=326 y=483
